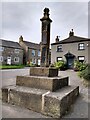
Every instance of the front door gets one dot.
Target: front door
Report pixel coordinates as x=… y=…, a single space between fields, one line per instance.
x=70 y=63
x=9 y=60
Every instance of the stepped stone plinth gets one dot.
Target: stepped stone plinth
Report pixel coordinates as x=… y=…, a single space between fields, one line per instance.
x=43 y=71
x=51 y=96
x=46 y=83
x=53 y=104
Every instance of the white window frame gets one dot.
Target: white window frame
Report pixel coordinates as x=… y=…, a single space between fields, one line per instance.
x=9 y=60
x=17 y=59
x=1 y=48
x=16 y=50
x=1 y=58
x=39 y=62
x=33 y=52
x=34 y=61
x=39 y=53
x=59 y=48
x=81 y=58
x=81 y=46
x=60 y=59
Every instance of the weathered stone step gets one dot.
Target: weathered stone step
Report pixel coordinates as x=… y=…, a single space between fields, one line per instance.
x=56 y=104
x=41 y=82
x=49 y=103
x=43 y=71
x=30 y=98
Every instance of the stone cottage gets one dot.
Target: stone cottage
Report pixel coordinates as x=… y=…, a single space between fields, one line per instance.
x=71 y=49
x=10 y=52
x=31 y=51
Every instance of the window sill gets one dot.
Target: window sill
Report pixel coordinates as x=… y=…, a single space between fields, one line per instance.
x=59 y=51
x=81 y=49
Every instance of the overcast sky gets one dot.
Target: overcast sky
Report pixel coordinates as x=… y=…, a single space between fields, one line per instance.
x=23 y=18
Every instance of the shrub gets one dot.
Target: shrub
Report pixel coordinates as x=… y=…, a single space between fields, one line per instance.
x=85 y=74
x=32 y=65
x=60 y=65
x=82 y=67
x=79 y=66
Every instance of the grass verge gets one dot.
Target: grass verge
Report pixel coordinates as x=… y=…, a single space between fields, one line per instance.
x=11 y=66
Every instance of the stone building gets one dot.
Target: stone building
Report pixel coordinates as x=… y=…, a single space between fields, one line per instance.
x=71 y=49
x=31 y=51
x=10 y=52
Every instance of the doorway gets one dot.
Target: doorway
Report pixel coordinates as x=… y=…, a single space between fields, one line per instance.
x=70 y=60
x=70 y=63
x=9 y=60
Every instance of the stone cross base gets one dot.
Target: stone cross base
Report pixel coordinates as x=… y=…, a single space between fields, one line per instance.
x=42 y=91
x=43 y=71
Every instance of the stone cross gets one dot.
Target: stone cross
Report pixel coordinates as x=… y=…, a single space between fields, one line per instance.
x=45 y=40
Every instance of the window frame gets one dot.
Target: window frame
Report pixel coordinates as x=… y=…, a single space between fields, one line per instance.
x=15 y=60
x=34 y=61
x=81 y=47
x=82 y=59
x=59 y=48
x=1 y=48
x=59 y=60
x=16 y=50
x=39 y=61
x=33 y=54
x=39 y=53
x=1 y=58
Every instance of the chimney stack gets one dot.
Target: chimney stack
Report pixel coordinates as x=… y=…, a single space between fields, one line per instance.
x=71 y=33
x=57 y=39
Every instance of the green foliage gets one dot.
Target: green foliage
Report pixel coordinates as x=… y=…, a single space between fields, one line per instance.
x=79 y=66
x=32 y=65
x=60 y=65
x=85 y=74
x=11 y=66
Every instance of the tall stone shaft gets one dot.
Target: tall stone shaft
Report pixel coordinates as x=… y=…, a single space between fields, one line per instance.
x=45 y=39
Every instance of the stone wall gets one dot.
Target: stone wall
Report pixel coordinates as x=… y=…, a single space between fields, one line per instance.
x=13 y=53
x=28 y=53
x=72 y=48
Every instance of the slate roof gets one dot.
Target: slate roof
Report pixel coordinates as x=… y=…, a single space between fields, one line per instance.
x=7 y=43
x=32 y=45
x=71 y=39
